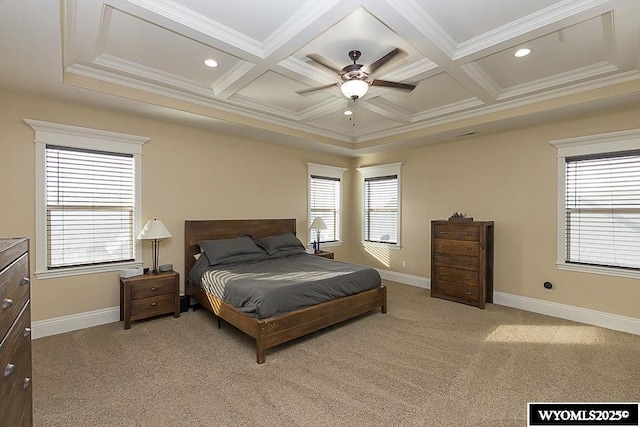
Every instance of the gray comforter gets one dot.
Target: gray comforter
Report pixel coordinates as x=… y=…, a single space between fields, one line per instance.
x=275 y=286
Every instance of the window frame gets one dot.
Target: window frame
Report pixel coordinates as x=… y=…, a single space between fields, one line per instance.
x=601 y=144
x=368 y=172
x=55 y=134
x=331 y=172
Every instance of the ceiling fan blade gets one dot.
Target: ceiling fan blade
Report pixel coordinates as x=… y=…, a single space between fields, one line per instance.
x=313 y=89
x=380 y=62
x=324 y=62
x=393 y=85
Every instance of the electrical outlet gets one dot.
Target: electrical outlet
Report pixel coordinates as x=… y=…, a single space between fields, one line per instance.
x=404 y=264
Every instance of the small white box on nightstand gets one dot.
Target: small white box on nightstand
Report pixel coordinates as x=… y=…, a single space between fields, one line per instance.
x=130 y=272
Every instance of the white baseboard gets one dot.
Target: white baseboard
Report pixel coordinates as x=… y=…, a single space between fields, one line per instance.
x=554 y=309
x=407 y=279
x=60 y=325
x=569 y=312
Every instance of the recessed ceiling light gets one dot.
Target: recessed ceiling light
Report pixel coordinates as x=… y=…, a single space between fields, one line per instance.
x=210 y=63
x=522 y=52
x=348 y=112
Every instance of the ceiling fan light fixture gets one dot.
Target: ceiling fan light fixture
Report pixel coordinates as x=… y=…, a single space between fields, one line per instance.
x=354 y=88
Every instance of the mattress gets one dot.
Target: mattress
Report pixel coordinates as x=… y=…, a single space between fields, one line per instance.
x=276 y=286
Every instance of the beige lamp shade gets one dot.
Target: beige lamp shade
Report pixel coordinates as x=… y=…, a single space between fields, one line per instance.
x=154 y=230
x=318 y=224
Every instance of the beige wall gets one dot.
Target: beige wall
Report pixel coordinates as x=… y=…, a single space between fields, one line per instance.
x=187 y=174
x=509 y=178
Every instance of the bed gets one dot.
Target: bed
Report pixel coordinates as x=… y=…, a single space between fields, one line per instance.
x=282 y=327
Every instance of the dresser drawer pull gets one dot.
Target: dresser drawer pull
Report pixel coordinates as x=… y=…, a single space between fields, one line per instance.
x=469 y=249
x=468 y=293
x=25 y=281
x=153 y=304
x=468 y=278
x=7 y=303
x=26 y=383
x=9 y=369
x=154 y=288
x=443 y=232
x=26 y=332
x=443 y=259
x=469 y=234
x=467 y=263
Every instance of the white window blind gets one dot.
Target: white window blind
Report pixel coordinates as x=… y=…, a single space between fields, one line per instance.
x=324 y=202
x=602 y=210
x=381 y=209
x=90 y=201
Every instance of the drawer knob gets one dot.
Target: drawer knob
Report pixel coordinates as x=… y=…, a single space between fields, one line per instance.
x=26 y=332
x=154 y=288
x=468 y=293
x=9 y=369
x=26 y=383
x=468 y=234
x=468 y=263
x=468 y=278
x=469 y=249
x=25 y=281
x=443 y=232
x=7 y=303
x=153 y=304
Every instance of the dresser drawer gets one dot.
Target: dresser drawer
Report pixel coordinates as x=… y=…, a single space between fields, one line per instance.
x=457 y=232
x=152 y=287
x=457 y=247
x=457 y=261
x=146 y=307
x=14 y=292
x=456 y=291
x=466 y=277
x=15 y=372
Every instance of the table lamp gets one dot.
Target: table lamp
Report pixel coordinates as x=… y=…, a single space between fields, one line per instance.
x=318 y=224
x=154 y=230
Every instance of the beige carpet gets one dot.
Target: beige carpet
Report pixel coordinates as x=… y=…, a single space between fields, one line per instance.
x=428 y=362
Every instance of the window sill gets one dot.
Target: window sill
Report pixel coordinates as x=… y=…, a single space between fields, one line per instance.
x=76 y=271
x=393 y=246
x=607 y=271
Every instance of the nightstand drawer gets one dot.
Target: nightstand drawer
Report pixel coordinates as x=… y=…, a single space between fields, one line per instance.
x=152 y=287
x=466 y=277
x=145 y=307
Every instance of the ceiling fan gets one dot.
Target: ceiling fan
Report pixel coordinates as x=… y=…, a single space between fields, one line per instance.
x=356 y=78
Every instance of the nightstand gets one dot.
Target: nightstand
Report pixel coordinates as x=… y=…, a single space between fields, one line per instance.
x=324 y=254
x=149 y=295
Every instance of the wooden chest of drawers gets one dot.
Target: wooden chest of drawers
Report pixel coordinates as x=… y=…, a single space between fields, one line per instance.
x=149 y=295
x=15 y=330
x=462 y=261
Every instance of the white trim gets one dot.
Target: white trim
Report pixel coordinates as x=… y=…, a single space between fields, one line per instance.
x=407 y=279
x=579 y=146
x=88 y=139
x=329 y=172
x=577 y=314
x=384 y=170
x=602 y=319
x=60 y=325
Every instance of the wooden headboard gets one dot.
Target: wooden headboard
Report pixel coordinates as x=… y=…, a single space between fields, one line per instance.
x=197 y=230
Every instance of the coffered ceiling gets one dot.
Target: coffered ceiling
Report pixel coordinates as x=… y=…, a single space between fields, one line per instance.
x=147 y=56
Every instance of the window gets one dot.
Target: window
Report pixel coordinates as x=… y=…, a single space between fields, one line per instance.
x=325 y=192
x=599 y=217
x=87 y=199
x=381 y=213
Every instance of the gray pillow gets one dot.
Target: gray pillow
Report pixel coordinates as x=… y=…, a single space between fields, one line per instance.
x=225 y=251
x=273 y=244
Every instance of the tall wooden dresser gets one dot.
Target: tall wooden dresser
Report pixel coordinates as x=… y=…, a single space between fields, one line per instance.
x=462 y=261
x=15 y=330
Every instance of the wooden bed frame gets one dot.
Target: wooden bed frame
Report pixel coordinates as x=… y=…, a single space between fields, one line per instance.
x=275 y=330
